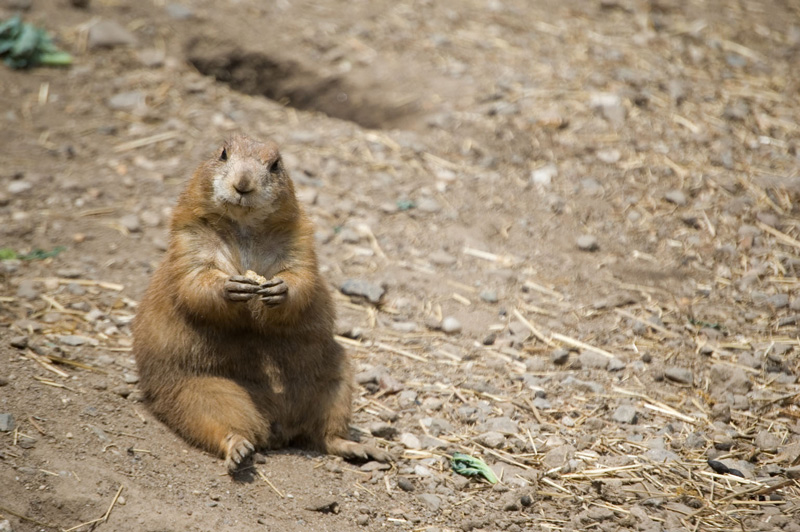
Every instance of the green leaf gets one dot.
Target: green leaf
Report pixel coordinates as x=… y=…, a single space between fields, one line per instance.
x=55 y=59
x=405 y=204
x=10 y=28
x=40 y=254
x=469 y=466
x=7 y=253
x=24 y=45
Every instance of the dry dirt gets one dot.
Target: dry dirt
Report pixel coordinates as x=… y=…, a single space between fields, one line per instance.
x=453 y=153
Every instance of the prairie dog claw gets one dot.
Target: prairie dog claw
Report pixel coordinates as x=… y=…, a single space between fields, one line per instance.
x=238 y=449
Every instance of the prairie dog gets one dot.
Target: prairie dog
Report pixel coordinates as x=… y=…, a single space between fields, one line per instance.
x=234 y=336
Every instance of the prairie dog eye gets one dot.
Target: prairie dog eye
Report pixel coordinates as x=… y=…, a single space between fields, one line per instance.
x=275 y=167
x=224 y=155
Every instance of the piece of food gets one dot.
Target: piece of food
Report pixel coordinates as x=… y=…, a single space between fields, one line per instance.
x=253 y=276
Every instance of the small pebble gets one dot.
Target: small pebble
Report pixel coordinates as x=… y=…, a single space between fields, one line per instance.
x=493 y=440
x=544 y=176
x=108 y=34
x=559 y=357
x=361 y=288
x=489 y=296
x=451 y=325
x=625 y=414
x=429 y=205
x=6 y=422
x=409 y=441
x=18 y=187
x=131 y=222
x=405 y=484
x=587 y=243
x=20 y=342
x=681 y=375
x=430 y=501
x=676 y=196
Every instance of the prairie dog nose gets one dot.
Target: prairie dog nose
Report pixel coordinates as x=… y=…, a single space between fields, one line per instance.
x=243 y=185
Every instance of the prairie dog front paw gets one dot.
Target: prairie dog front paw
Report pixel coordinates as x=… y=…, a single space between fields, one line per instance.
x=237 y=450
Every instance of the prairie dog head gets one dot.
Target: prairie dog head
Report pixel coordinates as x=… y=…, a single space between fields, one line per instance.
x=248 y=178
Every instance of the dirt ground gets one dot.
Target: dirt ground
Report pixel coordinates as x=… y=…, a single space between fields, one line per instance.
x=583 y=213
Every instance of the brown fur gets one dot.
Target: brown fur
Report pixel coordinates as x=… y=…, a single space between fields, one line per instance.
x=228 y=364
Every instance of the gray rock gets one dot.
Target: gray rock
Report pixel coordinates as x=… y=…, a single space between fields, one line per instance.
x=558 y=456
x=610 y=106
x=407 y=398
x=767 y=441
x=681 y=375
x=493 y=440
x=130 y=378
x=150 y=218
x=777 y=301
x=721 y=412
x=609 y=156
x=489 y=296
x=20 y=342
x=592 y=186
x=695 y=440
x=27 y=289
x=430 y=443
x=6 y=422
x=738 y=383
x=451 y=325
x=126 y=101
x=5 y=526
x=625 y=414
x=151 y=57
x=18 y=187
x=676 y=196
x=615 y=364
x=587 y=243
x=361 y=288
x=108 y=34
x=437 y=425
x=422 y=471
x=405 y=484
x=409 y=441
x=179 y=12
x=661 y=455
x=793 y=473
x=592 y=360
x=373 y=465
x=76 y=340
x=511 y=502
x=442 y=258
x=131 y=222
x=430 y=501
x=559 y=357
x=503 y=425
x=404 y=326
x=586 y=386
x=429 y=205
x=544 y=176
